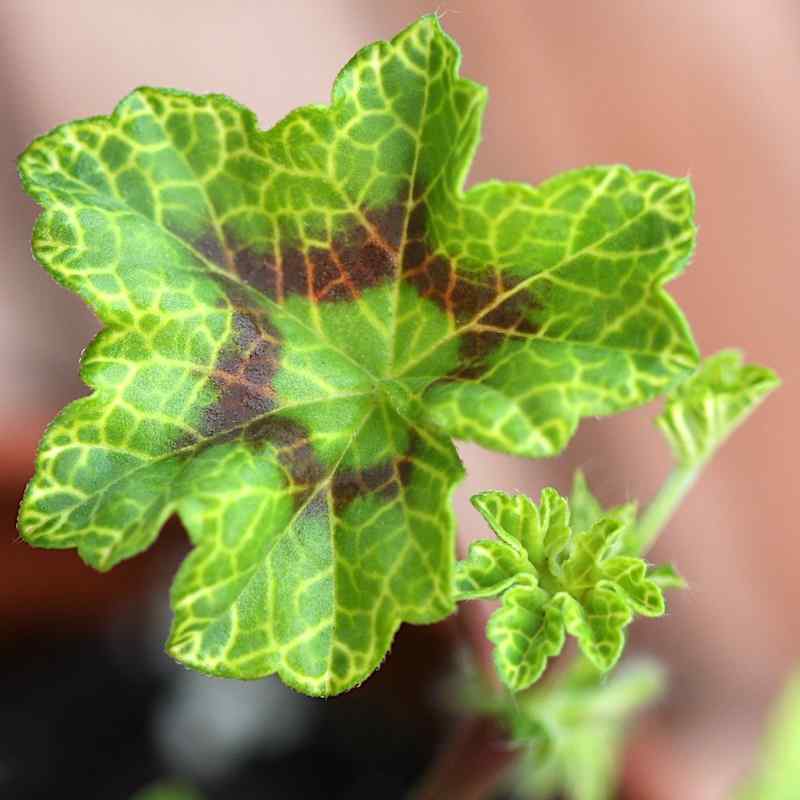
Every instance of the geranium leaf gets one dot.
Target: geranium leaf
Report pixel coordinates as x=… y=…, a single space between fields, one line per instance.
x=556 y=582
x=635 y=579
x=296 y=322
x=666 y=576
x=526 y=630
x=489 y=569
x=704 y=410
x=598 y=623
x=586 y=509
x=542 y=532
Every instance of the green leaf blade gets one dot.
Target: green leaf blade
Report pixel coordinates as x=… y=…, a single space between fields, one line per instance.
x=598 y=623
x=666 y=576
x=527 y=631
x=489 y=569
x=312 y=595
x=702 y=412
x=634 y=578
x=601 y=239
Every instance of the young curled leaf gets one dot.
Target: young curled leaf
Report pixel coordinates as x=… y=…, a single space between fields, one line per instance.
x=489 y=569
x=586 y=509
x=598 y=621
x=705 y=409
x=592 y=560
x=526 y=630
x=666 y=576
x=541 y=531
x=552 y=582
x=635 y=578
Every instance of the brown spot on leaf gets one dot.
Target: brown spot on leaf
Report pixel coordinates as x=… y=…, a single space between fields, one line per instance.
x=245 y=368
x=417 y=223
x=385 y=479
x=414 y=255
x=476 y=345
x=210 y=248
x=359 y=258
x=389 y=224
x=294 y=450
x=370 y=265
x=347 y=485
x=258 y=271
x=293 y=269
x=324 y=269
x=405 y=464
x=484 y=301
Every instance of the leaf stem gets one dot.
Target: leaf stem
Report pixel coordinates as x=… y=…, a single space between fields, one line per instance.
x=663 y=506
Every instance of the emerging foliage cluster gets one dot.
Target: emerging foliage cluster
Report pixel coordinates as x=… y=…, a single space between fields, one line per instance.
x=552 y=581
x=577 y=568
x=572 y=727
x=297 y=324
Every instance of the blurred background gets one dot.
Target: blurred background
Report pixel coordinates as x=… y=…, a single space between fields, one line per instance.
x=709 y=90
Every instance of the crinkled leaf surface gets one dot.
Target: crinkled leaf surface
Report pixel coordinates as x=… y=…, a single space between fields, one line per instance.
x=527 y=630
x=553 y=582
x=666 y=576
x=297 y=321
x=585 y=509
x=704 y=410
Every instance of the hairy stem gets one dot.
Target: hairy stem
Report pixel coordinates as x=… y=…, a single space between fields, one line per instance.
x=663 y=506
